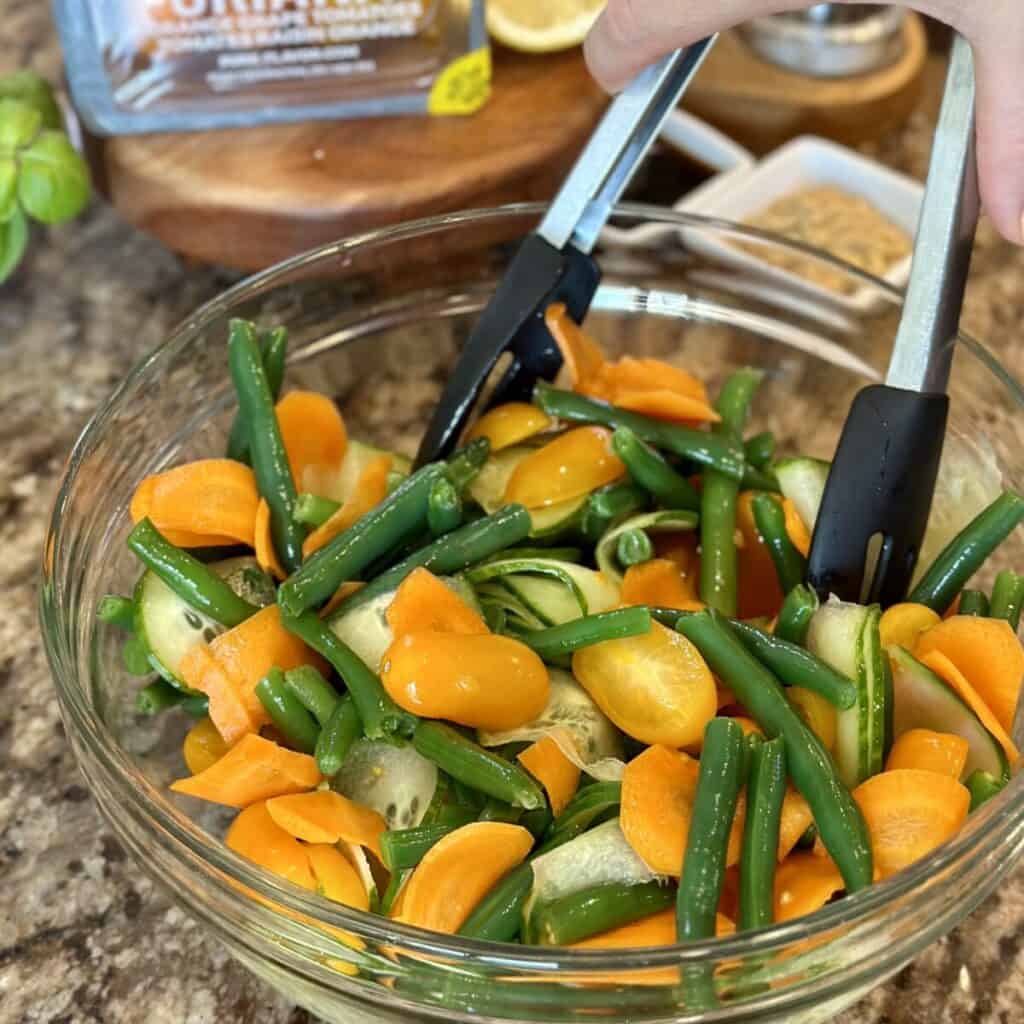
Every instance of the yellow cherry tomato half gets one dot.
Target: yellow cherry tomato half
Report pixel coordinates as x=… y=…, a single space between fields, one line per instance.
x=508 y=424
x=572 y=465
x=655 y=687
x=484 y=681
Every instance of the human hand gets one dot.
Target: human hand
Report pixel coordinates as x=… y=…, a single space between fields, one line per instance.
x=631 y=34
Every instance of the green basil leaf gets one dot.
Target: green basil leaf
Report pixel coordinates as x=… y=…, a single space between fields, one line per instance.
x=53 y=180
x=13 y=239
x=30 y=88
x=19 y=125
x=8 y=188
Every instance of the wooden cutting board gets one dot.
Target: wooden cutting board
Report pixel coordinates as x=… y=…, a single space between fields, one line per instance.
x=249 y=197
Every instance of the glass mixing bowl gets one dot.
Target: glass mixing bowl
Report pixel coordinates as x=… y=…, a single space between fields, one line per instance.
x=376 y=321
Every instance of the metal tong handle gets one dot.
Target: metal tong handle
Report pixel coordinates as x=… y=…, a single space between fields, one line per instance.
x=922 y=357
x=604 y=169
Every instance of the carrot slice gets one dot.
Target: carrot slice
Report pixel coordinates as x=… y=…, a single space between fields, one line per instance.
x=645 y=374
x=313 y=432
x=370 y=490
x=254 y=834
x=903 y=624
x=796 y=530
x=484 y=681
x=328 y=817
x=510 y=424
x=578 y=462
x=908 y=813
x=987 y=653
x=459 y=871
x=947 y=671
x=658 y=583
x=203 y=746
x=228 y=670
x=423 y=602
x=560 y=778
x=263 y=542
x=657 y=930
x=336 y=878
x=662 y=404
x=229 y=713
x=759 y=591
x=201 y=504
x=656 y=687
x=804 y=883
x=253 y=769
x=817 y=712
x=583 y=356
x=941 y=752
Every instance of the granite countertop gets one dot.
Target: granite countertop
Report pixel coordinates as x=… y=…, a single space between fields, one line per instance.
x=83 y=934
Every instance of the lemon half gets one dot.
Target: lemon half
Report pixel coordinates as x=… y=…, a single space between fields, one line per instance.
x=541 y=26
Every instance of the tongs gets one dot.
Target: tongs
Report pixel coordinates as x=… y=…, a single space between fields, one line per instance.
x=879 y=491
x=554 y=263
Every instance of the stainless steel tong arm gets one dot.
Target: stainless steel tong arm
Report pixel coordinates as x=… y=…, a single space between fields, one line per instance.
x=604 y=169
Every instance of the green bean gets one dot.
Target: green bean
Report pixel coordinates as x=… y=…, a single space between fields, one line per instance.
x=974 y=602
x=811 y=767
x=157 y=697
x=666 y=616
x=336 y=738
x=480 y=769
x=498 y=810
x=313 y=692
x=195 y=583
x=770 y=519
x=313 y=511
x=588 y=807
x=795 y=617
x=197 y=705
x=269 y=457
x=380 y=715
x=444 y=508
x=759 y=480
x=653 y=473
x=596 y=909
x=460 y=549
x=982 y=787
x=406 y=847
x=759 y=449
x=1007 y=597
x=464 y=466
x=961 y=558
x=498 y=916
x=395 y=883
x=537 y=821
x=714 y=807
x=564 y=554
x=719 y=560
x=796 y=666
x=721 y=453
x=766 y=789
x=558 y=641
x=290 y=718
x=608 y=506
x=273 y=345
x=401 y=516
x=633 y=548
x=117 y=611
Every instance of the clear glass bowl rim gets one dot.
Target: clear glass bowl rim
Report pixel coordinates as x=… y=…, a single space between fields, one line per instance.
x=220 y=867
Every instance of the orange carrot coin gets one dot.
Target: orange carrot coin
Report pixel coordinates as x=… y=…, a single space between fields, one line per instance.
x=558 y=775
x=255 y=835
x=313 y=432
x=804 y=883
x=941 y=752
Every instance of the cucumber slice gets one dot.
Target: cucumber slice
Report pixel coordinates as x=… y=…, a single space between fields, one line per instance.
x=488 y=490
x=577 y=725
x=496 y=595
x=552 y=590
x=650 y=522
x=846 y=637
x=365 y=628
x=339 y=482
x=168 y=627
x=922 y=700
x=396 y=782
x=597 y=857
x=802 y=480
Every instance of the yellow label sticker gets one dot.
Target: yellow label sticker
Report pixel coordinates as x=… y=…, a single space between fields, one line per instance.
x=463 y=86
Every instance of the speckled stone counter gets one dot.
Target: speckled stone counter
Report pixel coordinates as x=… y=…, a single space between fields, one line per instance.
x=83 y=935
